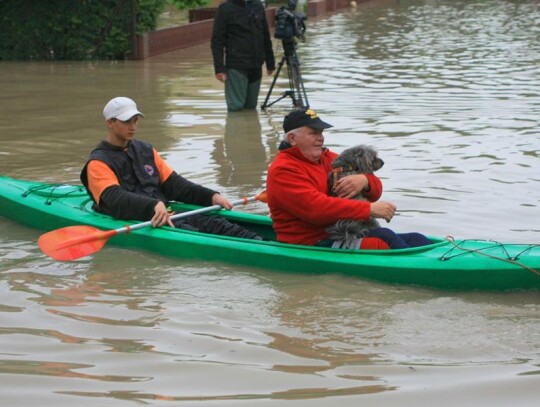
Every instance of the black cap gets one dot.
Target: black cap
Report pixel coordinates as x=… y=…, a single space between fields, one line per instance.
x=301 y=118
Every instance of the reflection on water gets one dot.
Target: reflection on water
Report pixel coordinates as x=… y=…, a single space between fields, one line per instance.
x=240 y=154
x=56 y=369
x=447 y=91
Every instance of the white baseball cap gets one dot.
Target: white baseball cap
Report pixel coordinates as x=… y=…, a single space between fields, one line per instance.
x=121 y=108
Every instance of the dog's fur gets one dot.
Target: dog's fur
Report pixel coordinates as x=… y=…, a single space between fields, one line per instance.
x=359 y=159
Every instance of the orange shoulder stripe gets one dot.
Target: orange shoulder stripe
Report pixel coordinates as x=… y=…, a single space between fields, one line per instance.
x=162 y=167
x=100 y=177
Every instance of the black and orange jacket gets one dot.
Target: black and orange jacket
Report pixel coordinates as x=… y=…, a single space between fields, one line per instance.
x=127 y=183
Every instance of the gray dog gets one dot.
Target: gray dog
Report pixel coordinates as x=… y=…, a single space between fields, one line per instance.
x=360 y=159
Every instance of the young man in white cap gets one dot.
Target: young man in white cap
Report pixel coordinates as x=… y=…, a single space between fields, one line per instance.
x=127 y=179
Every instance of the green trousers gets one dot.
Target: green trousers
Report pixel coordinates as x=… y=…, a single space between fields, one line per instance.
x=240 y=93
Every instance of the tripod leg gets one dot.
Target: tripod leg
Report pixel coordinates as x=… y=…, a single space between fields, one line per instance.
x=296 y=83
x=297 y=90
x=265 y=103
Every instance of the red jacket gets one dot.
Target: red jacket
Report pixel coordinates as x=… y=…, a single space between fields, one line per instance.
x=298 y=198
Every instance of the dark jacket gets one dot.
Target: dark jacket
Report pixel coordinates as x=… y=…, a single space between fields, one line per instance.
x=241 y=37
x=140 y=188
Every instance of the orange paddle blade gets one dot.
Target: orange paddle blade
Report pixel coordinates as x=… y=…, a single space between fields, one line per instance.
x=73 y=242
x=262 y=197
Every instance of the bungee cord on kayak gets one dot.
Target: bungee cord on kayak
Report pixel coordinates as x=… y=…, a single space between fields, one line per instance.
x=509 y=259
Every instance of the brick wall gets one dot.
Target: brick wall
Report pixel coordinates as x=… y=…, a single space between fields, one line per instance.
x=199 y=30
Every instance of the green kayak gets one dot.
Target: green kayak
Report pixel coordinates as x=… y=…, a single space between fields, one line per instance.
x=446 y=264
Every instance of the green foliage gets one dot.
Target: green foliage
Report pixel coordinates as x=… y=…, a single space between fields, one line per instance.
x=74 y=29
x=188 y=4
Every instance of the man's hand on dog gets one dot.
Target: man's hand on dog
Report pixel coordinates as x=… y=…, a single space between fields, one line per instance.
x=383 y=209
x=351 y=185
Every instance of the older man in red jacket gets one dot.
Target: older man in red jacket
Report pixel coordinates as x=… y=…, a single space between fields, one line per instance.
x=298 y=198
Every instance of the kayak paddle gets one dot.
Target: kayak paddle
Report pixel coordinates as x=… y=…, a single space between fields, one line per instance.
x=74 y=242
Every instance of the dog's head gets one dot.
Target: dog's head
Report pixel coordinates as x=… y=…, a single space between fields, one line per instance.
x=361 y=159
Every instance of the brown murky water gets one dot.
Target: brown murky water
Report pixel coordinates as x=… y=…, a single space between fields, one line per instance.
x=449 y=93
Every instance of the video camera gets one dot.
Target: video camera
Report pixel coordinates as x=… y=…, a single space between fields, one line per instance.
x=289 y=24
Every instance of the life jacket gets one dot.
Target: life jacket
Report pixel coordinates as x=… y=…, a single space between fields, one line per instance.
x=133 y=166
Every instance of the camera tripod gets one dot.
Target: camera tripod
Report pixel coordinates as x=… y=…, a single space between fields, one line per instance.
x=296 y=91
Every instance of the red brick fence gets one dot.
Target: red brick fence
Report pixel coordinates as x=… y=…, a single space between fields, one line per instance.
x=199 y=30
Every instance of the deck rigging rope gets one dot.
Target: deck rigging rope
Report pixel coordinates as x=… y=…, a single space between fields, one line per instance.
x=512 y=260
x=53 y=193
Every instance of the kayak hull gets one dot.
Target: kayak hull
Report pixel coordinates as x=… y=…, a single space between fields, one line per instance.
x=446 y=264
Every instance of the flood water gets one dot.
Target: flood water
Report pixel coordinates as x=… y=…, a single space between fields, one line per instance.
x=447 y=91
